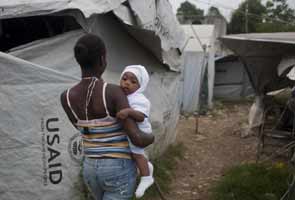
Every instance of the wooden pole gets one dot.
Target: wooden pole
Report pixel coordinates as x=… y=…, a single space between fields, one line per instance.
x=246 y=17
x=196 y=115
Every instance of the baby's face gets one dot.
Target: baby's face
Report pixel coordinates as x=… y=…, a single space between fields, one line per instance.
x=129 y=83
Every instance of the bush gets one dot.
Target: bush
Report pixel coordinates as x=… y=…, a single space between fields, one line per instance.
x=252 y=182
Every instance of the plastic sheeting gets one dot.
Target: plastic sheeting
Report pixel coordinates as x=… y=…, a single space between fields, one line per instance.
x=231 y=79
x=286 y=64
x=39 y=145
x=35 y=134
x=261 y=54
x=198 y=62
x=256 y=112
x=291 y=74
x=194 y=77
x=155 y=16
x=23 y=8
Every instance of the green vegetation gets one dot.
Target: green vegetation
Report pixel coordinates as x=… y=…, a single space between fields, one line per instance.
x=273 y=16
x=252 y=182
x=238 y=20
x=164 y=167
x=81 y=189
x=188 y=13
x=252 y=16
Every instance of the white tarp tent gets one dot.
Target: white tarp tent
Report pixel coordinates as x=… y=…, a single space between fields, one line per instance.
x=199 y=66
x=231 y=79
x=39 y=146
x=35 y=133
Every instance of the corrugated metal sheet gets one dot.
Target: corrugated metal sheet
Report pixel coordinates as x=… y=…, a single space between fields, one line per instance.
x=265 y=37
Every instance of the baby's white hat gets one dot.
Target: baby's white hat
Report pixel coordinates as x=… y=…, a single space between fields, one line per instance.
x=141 y=74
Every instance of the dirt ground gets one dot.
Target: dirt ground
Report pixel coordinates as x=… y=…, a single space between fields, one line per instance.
x=216 y=147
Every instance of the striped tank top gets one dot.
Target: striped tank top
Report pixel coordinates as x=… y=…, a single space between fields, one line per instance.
x=103 y=137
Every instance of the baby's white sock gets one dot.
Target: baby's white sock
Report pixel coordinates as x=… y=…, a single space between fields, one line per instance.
x=145 y=182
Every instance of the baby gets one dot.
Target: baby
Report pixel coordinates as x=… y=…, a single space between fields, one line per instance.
x=134 y=80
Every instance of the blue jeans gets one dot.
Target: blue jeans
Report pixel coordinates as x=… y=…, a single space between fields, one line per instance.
x=110 y=179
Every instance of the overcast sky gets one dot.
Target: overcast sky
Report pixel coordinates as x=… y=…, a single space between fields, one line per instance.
x=225 y=6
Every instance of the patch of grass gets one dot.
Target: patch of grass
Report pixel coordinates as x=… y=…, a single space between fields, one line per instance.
x=164 y=166
x=252 y=182
x=81 y=189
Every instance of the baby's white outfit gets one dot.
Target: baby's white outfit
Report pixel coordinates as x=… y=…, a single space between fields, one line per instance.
x=139 y=102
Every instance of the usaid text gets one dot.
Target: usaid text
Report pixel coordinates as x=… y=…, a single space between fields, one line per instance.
x=52 y=167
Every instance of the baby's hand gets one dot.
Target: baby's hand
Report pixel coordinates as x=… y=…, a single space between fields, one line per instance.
x=122 y=114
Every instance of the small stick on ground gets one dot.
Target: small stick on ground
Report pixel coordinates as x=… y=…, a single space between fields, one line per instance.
x=159 y=191
x=196 y=115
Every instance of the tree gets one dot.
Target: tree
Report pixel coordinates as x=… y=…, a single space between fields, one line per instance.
x=275 y=16
x=279 y=17
x=279 y=10
x=188 y=13
x=213 y=11
x=255 y=12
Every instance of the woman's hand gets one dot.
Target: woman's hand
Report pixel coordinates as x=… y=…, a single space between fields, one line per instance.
x=123 y=114
x=137 y=137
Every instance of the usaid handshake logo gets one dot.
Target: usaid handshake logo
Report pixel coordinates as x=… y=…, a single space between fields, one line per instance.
x=75 y=148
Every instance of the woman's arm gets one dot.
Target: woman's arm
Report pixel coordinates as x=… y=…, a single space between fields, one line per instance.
x=66 y=108
x=129 y=112
x=137 y=137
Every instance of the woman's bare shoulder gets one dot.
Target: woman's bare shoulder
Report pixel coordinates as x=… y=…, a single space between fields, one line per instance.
x=115 y=90
x=117 y=97
x=113 y=86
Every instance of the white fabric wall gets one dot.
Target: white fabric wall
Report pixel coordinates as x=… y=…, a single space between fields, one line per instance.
x=36 y=161
x=198 y=59
x=231 y=81
x=194 y=69
x=211 y=72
